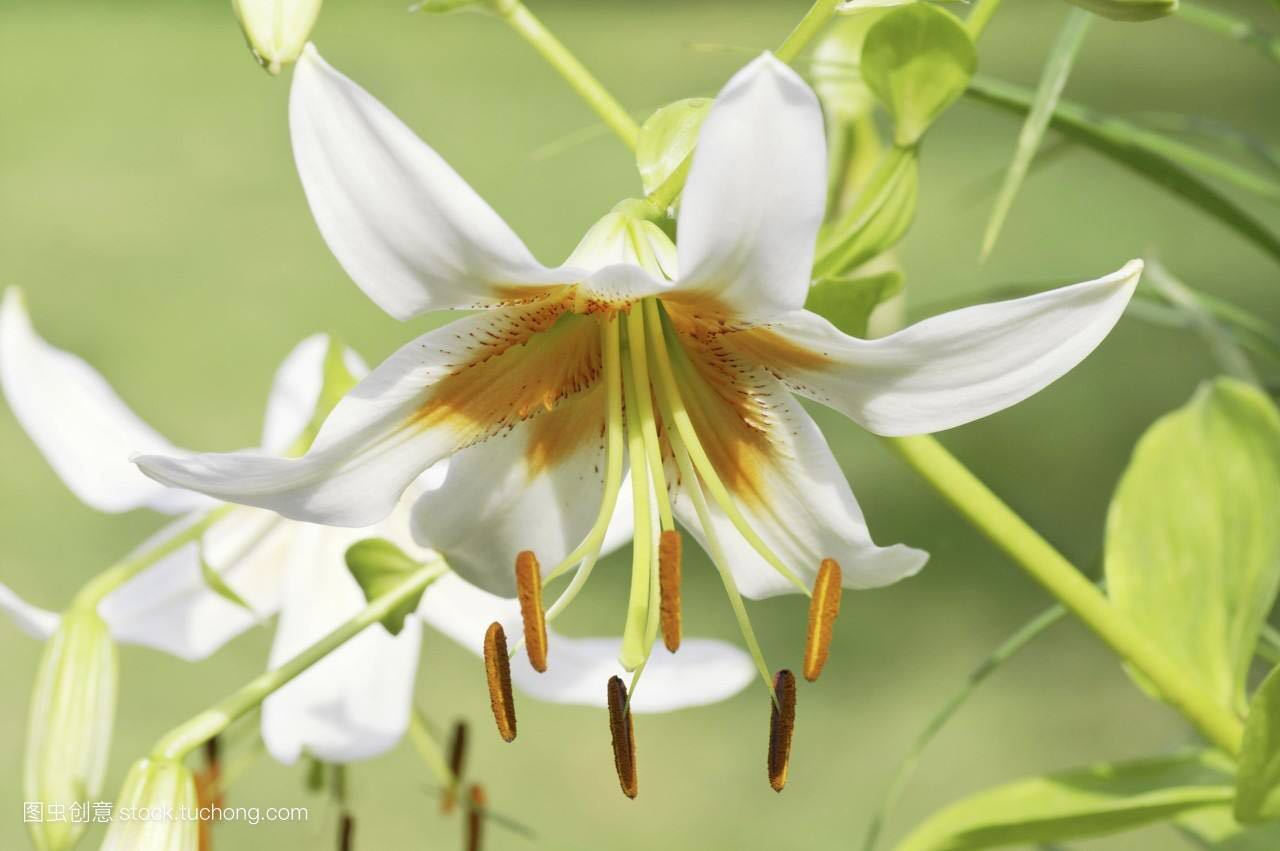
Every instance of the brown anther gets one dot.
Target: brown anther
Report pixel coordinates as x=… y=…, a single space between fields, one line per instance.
x=347 y=832
x=623 y=733
x=824 y=608
x=669 y=550
x=497 y=670
x=782 y=723
x=209 y=792
x=529 y=589
x=476 y=802
x=457 y=760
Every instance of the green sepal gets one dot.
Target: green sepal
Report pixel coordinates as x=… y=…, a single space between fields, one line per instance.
x=666 y=138
x=847 y=303
x=878 y=218
x=917 y=60
x=218 y=585
x=379 y=567
x=337 y=382
x=1258 y=781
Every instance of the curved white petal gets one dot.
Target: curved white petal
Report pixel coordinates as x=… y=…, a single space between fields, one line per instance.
x=792 y=493
x=536 y=487
x=448 y=389
x=703 y=671
x=755 y=196
x=80 y=425
x=354 y=703
x=34 y=621
x=950 y=369
x=171 y=607
x=408 y=230
x=296 y=389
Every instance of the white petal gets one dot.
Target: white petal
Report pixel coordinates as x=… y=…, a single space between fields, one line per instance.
x=295 y=392
x=410 y=232
x=794 y=496
x=449 y=388
x=80 y=425
x=171 y=607
x=702 y=672
x=355 y=703
x=953 y=368
x=536 y=487
x=754 y=200
x=34 y=621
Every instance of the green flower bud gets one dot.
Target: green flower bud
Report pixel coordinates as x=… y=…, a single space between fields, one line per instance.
x=158 y=809
x=69 y=731
x=1129 y=10
x=276 y=30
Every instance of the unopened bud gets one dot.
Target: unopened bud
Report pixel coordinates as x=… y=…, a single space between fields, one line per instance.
x=157 y=810
x=69 y=730
x=1129 y=10
x=276 y=30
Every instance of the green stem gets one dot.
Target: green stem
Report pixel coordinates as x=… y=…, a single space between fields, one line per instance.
x=574 y=72
x=991 y=516
x=181 y=740
x=429 y=749
x=122 y=571
x=981 y=15
x=812 y=22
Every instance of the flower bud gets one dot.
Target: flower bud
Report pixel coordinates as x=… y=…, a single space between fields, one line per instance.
x=276 y=30
x=157 y=810
x=69 y=730
x=1129 y=10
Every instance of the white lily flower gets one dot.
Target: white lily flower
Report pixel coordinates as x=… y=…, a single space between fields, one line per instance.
x=687 y=354
x=356 y=702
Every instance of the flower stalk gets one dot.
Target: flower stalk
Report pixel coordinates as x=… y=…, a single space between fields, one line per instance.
x=181 y=740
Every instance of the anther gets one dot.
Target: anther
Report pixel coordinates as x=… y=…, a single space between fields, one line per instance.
x=669 y=548
x=782 y=723
x=457 y=760
x=497 y=670
x=529 y=589
x=476 y=802
x=346 y=832
x=824 y=608
x=624 y=737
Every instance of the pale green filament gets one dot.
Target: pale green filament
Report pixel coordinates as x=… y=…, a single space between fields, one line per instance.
x=683 y=425
x=643 y=412
x=634 y=650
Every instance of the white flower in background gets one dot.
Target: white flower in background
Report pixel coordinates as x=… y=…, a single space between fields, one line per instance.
x=681 y=358
x=356 y=702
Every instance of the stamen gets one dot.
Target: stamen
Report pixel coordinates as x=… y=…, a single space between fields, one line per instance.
x=476 y=803
x=824 y=608
x=635 y=646
x=669 y=549
x=529 y=590
x=623 y=733
x=497 y=670
x=346 y=832
x=457 y=760
x=782 y=723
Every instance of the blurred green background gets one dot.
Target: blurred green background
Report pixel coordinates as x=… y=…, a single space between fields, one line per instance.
x=149 y=207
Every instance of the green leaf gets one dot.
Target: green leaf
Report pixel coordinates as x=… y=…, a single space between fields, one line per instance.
x=1258 y=781
x=1094 y=801
x=667 y=137
x=218 y=585
x=918 y=60
x=337 y=382
x=1052 y=80
x=379 y=567
x=847 y=302
x=1151 y=155
x=1216 y=828
x=1129 y=10
x=1193 y=534
x=878 y=217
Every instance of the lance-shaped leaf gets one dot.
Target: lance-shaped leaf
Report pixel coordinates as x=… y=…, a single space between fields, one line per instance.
x=917 y=60
x=1258 y=783
x=1069 y=805
x=1193 y=534
x=877 y=219
x=847 y=302
x=667 y=137
x=379 y=567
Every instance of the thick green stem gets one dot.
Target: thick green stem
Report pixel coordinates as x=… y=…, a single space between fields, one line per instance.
x=991 y=516
x=122 y=571
x=574 y=72
x=810 y=25
x=181 y=740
